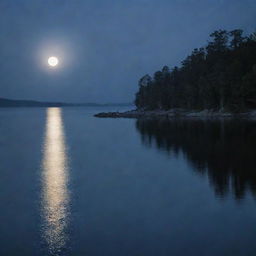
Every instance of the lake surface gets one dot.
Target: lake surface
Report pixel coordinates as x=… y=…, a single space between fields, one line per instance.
x=73 y=184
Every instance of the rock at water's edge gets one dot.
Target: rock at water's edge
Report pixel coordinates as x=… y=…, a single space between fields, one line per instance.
x=176 y=113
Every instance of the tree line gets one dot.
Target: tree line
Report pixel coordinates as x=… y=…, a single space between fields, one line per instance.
x=220 y=76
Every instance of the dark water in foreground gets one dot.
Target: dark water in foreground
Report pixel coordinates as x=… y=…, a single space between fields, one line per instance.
x=72 y=184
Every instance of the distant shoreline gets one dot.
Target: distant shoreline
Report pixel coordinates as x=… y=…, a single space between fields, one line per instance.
x=177 y=113
x=7 y=103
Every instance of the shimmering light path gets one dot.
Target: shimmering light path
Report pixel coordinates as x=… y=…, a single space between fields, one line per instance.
x=55 y=198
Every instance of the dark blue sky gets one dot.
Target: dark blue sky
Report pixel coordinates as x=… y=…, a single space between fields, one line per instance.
x=104 y=46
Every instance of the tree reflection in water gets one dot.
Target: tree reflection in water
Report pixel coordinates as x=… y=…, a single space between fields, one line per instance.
x=222 y=149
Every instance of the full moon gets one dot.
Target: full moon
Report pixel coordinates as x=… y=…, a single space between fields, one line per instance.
x=53 y=61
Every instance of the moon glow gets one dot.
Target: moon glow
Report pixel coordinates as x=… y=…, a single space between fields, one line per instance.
x=53 y=61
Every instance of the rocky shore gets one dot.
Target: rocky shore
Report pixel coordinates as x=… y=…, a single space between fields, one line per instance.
x=176 y=113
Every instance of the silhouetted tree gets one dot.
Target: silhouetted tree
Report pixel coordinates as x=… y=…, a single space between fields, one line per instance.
x=237 y=38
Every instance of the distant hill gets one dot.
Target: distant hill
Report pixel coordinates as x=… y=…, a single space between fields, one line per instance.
x=31 y=103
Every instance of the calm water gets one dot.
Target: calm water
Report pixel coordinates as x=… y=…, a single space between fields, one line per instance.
x=72 y=184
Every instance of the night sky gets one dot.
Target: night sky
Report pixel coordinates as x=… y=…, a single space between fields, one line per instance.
x=104 y=47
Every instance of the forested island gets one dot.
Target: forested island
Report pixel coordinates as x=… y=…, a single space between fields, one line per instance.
x=217 y=78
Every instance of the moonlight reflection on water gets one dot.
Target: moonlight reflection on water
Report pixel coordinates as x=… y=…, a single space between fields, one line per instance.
x=55 y=184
